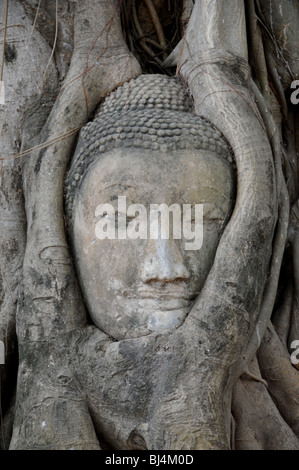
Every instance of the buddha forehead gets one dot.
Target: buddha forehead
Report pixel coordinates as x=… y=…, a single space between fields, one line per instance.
x=182 y=176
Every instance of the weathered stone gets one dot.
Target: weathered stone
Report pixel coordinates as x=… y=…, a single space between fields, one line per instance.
x=166 y=153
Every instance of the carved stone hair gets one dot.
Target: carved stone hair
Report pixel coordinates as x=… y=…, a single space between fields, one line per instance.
x=152 y=112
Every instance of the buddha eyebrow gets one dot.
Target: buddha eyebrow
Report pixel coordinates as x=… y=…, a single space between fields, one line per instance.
x=119 y=185
x=112 y=185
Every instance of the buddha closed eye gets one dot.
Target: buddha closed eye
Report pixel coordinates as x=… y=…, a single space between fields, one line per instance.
x=134 y=287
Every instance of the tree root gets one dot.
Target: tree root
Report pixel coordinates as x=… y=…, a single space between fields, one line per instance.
x=249 y=374
x=282 y=377
x=156 y=22
x=294 y=329
x=142 y=39
x=257 y=51
x=276 y=80
x=280 y=236
x=258 y=419
x=282 y=315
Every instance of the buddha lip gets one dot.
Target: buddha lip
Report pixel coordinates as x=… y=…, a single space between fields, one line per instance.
x=176 y=309
x=156 y=294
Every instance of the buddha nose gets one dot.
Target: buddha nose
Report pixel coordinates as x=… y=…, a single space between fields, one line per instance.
x=164 y=262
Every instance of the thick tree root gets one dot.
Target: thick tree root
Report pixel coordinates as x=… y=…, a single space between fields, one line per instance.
x=283 y=379
x=258 y=419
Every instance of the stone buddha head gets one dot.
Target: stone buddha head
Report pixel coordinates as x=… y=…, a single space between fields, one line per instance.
x=145 y=153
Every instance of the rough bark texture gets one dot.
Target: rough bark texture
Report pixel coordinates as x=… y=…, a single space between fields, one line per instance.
x=65 y=384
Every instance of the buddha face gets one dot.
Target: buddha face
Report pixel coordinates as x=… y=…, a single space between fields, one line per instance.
x=134 y=287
